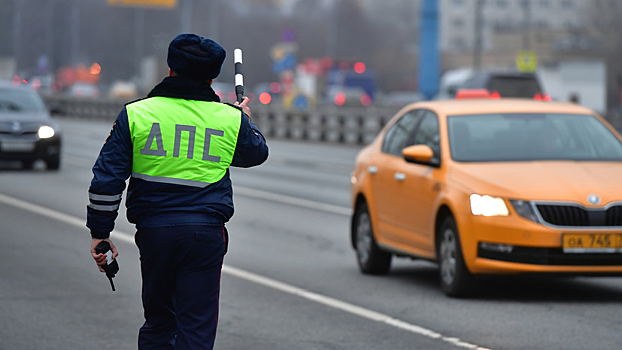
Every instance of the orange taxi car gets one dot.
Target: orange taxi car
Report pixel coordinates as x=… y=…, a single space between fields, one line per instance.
x=490 y=187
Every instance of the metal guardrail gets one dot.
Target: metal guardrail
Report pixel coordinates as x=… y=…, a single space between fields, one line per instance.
x=349 y=125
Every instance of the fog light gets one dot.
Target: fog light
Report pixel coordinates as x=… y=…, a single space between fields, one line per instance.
x=498 y=248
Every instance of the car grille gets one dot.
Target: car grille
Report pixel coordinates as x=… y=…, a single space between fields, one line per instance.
x=6 y=128
x=574 y=215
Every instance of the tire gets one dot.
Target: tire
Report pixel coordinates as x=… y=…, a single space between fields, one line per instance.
x=371 y=259
x=455 y=278
x=53 y=163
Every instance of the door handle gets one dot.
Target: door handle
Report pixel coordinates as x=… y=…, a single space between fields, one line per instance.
x=400 y=176
x=372 y=169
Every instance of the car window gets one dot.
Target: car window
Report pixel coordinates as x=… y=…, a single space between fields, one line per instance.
x=400 y=133
x=428 y=134
x=530 y=137
x=20 y=100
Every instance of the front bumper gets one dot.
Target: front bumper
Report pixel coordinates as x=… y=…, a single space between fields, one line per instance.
x=28 y=148
x=512 y=244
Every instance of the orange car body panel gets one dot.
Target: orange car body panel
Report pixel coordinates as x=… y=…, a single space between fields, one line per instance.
x=404 y=213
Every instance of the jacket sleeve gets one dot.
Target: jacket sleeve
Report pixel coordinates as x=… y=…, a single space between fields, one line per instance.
x=111 y=170
x=251 y=148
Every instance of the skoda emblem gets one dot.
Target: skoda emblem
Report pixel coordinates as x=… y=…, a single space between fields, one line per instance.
x=16 y=127
x=593 y=199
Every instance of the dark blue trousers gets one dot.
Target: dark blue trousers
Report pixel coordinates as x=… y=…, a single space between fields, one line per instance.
x=180 y=267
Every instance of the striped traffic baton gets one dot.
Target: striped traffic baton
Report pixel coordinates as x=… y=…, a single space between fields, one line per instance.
x=239 y=78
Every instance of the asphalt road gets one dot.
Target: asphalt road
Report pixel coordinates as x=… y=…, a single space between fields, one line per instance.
x=290 y=279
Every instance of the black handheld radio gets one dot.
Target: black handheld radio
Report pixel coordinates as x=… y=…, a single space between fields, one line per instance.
x=112 y=267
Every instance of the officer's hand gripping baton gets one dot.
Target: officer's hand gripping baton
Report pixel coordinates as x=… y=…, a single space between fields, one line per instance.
x=239 y=78
x=111 y=267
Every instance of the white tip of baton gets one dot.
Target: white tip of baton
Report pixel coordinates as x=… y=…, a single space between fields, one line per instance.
x=239 y=80
x=237 y=55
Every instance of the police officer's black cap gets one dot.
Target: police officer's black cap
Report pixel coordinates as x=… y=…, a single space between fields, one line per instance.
x=195 y=57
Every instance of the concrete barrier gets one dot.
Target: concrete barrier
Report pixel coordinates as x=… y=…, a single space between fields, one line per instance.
x=350 y=125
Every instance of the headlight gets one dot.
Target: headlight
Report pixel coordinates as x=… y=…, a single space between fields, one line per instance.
x=525 y=209
x=45 y=132
x=488 y=206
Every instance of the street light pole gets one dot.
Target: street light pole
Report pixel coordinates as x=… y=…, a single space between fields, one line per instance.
x=186 y=16
x=139 y=38
x=75 y=33
x=17 y=19
x=331 y=37
x=526 y=25
x=50 y=35
x=214 y=19
x=479 y=26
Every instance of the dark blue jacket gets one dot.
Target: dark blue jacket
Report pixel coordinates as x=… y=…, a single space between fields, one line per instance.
x=153 y=204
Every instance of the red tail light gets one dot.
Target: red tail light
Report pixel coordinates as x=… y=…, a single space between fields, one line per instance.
x=265 y=98
x=473 y=93
x=495 y=95
x=340 y=99
x=365 y=100
x=542 y=96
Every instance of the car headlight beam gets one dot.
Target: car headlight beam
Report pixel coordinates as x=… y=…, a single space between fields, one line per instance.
x=45 y=132
x=488 y=206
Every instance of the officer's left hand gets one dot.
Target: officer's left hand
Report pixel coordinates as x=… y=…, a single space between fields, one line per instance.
x=244 y=105
x=100 y=259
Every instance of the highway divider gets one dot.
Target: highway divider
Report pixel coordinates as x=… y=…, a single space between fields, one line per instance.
x=348 y=125
x=332 y=124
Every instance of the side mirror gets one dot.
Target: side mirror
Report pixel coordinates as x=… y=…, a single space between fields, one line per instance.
x=418 y=154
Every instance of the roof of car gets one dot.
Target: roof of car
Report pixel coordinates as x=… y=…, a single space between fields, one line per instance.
x=485 y=106
x=9 y=85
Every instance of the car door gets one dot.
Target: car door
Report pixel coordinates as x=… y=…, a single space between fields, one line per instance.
x=422 y=186
x=386 y=186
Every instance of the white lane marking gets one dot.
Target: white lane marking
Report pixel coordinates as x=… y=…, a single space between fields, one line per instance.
x=57 y=215
x=262 y=280
x=270 y=196
x=299 y=202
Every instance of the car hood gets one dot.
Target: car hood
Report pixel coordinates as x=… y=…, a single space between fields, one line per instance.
x=542 y=180
x=25 y=117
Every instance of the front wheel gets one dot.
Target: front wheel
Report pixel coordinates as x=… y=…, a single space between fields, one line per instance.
x=456 y=280
x=53 y=163
x=371 y=259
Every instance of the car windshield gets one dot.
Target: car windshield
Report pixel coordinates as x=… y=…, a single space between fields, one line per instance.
x=529 y=137
x=18 y=100
x=508 y=86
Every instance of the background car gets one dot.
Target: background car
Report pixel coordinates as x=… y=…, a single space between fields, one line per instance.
x=506 y=84
x=84 y=89
x=27 y=132
x=490 y=187
x=347 y=96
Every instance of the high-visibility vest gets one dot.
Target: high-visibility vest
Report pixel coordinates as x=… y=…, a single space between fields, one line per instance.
x=183 y=142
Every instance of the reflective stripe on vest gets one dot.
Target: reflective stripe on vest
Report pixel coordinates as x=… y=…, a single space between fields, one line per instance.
x=183 y=142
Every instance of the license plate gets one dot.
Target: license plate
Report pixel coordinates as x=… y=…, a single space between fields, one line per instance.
x=592 y=243
x=17 y=146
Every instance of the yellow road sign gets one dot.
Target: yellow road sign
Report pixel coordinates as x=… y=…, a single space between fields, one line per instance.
x=526 y=61
x=144 y=3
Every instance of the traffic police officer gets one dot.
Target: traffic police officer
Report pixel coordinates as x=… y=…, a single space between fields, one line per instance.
x=176 y=146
